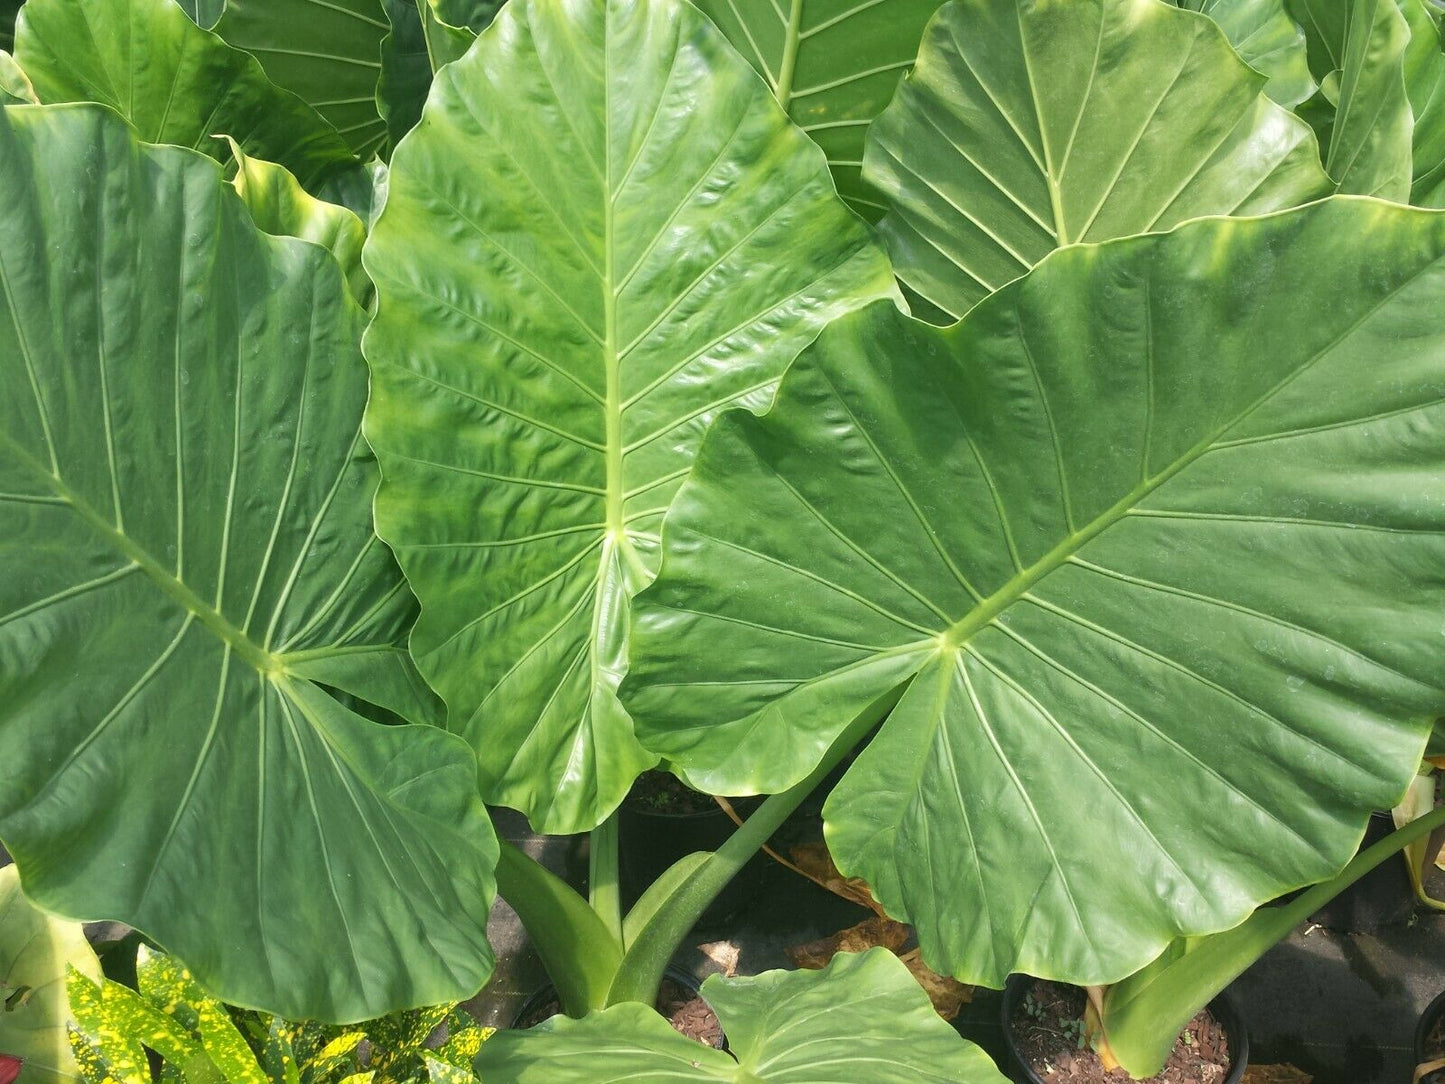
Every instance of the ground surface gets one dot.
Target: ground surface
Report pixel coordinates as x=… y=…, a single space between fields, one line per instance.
x=1342 y=1006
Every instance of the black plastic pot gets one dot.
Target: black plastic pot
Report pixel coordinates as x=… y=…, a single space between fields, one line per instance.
x=651 y=841
x=1383 y=897
x=1222 y=1009
x=1428 y=1019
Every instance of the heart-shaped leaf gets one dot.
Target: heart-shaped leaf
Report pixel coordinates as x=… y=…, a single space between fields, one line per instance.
x=603 y=233
x=173 y=81
x=327 y=52
x=1026 y=126
x=185 y=525
x=1153 y=540
x=860 y=1020
x=833 y=66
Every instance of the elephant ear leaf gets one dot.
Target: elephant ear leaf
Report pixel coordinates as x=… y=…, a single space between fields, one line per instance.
x=1268 y=40
x=569 y=291
x=36 y=951
x=1025 y=127
x=185 y=520
x=832 y=66
x=1199 y=601
x=863 y=1016
x=173 y=81
x=327 y=52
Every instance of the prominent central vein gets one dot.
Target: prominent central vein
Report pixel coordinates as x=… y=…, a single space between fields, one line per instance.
x=173 y=588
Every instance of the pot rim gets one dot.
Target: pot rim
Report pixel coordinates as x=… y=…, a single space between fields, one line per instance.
x=1222 y=1007
x=1435 y=1009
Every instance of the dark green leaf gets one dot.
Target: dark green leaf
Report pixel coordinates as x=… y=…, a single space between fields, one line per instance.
x=861 y=1020
x=833 y=64
x=185 y=514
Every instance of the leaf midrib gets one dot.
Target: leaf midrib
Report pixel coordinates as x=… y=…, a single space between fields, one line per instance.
x=258 y=657
x=1017 y=587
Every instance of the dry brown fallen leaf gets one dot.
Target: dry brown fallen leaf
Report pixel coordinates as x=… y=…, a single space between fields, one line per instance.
x=947 y=994
x=868 y=933
x=814 y=862
x=1276 y=1074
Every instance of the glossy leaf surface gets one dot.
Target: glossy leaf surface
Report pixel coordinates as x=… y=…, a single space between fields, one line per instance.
x=833 y=64
x=15 y=88
x=1156 y=532
x=185 y=517
x=603 y=233
x=35 y=951
x=861 y=1020
x=326 y=51
x=173 y=81
x=1268 y=40
x=1029 y=125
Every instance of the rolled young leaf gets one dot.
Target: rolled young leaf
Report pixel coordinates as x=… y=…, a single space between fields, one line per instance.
x=1030 y=125
x=833 y=65
x=1357 y=51
x=173 y=81
x=15 y=88
x=863 y=1019
x=327 y=52
x=36 y=950
x=1155 y=533
x=1268 y=40
x=1425 y=85
x=603 y=232
x=185 y=525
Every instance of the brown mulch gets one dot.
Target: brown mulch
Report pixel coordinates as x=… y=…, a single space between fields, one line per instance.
x=684 y=1010
x=1048 y=1039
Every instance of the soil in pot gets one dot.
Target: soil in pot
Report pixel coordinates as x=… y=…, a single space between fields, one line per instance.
x=1046 y=1030
x=1432 y=1044
x=683 y=1008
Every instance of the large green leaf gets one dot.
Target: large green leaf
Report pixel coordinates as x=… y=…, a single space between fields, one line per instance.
x=173 y=81
x=1268 y=40
x=1357 y=50
x=1155 y=533
x=185 y=528
x=35 y=951
x=861 y=1020
x=1029 y=125
x=326 y=51
x=833 y=64
x=603 y=233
